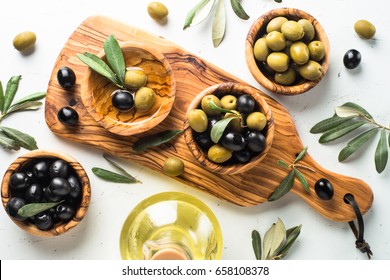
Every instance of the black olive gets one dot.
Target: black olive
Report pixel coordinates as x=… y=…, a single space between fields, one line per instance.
x=204 y=141
x=13 y=206
x=65 y=212
x=66 y=77
x=256 y=141
x=41 y=169
x=19 y=181
x=243 y=156
x=212 y=120
x=352 y=59
x=324 y=189
x=59 y=186
x=122 y=100
x=75 y=187
x=246 y=104
x=44 y=220
x=233 y=141
x=49 y=196
x=68 y=116
x=59 y=168
x=33 y=193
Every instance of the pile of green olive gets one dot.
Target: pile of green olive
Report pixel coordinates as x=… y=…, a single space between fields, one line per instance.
x=244 y=136
x=288 y=51
x=137 y=95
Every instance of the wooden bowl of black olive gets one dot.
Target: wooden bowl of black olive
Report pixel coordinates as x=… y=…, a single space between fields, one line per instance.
x=144 y=99
x=46 y=193
x=229 y=128
x=287 y=51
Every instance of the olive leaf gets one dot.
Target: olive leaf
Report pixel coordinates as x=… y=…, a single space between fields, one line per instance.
x=238 y=9
x=276 y=243
x=301 y=155
x=302 y=179
x=29 y=98
x=26 y=106
x=214 y=106
x=1 y=98
x=155 y=140
x=127 y=174
x=219 y=24
x=8 y=143
x=112 y=176
x=31 y=209
x=256 y=244
x=381 y=153
x=22 y=139
x=115 y=58
x=98 y=65
x=356 y=143
x=348 y=118
x=281 y=163
x=199 y=13
x=284 y=187
x=11 y=89
x=219 y=128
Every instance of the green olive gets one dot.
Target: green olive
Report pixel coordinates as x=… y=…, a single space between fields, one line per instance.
x=256 y=121
x=234 y=124
x=292 y=30
x=275 y=41
x=197 y=119
x=286 y=78
x=144 y=99
x=173 y=166
x=219 y=154
x=135 y=78
x=308 y=29
x=275 y=24
x=299 y=53
x=317 y=50
x=364 y=29
x=278 y=61
x=25 y=41
x=206 y=106
x=312 y=70
x=261 y=50
x=157 y=11
x=229 y=102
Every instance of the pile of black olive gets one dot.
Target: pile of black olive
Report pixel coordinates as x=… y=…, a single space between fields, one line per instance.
x=45 y=180
x=241 y=140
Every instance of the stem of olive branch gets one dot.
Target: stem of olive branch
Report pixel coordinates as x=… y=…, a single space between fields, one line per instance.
x=294 y=165
x=371 y=121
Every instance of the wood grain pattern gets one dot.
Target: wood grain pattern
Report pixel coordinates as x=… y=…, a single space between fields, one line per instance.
x=258 y=70
x=221 y=90
x=96 y=92
x=60 y=227
x=193 y=75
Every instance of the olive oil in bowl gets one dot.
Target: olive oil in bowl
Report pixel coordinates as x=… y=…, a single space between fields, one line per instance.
x=171 y=225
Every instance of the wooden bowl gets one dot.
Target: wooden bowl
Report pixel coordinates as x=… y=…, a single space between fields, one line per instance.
x=60 y=227
x=258 y=70
x=96 y=92
x=221 y=90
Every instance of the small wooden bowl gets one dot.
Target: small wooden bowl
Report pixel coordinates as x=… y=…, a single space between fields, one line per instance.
x=257 y=69
x=60 y=227
x=96 y=92
x=221 y=90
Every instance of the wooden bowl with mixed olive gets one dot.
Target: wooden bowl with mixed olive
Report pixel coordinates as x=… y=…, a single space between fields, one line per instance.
x=46 y=193
x=229 y=128
x=287 y=51
x=144 y=102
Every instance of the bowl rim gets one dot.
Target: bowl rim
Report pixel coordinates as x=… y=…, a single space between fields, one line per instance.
x=59 y=228
x=201 y=157
x=251 y=61
x=120 y=128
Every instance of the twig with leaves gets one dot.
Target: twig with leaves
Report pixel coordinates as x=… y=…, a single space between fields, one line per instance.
x=10 y=138
x=277 y=241
x=288 y=182
x=348 y=118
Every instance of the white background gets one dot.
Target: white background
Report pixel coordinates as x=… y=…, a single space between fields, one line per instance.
x=97 y=237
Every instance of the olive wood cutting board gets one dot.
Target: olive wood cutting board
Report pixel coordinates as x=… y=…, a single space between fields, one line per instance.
x=193 y=74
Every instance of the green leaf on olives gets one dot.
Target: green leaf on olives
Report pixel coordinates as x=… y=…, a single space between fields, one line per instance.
x=219 y=128
x=31 y=209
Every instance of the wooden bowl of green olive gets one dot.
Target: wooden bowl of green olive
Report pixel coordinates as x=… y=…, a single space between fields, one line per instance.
x=287 y=51
x=145 y=97
x=229 y=128
x=46 y=193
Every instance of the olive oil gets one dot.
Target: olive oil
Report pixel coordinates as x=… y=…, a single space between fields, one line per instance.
x=171 y=225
